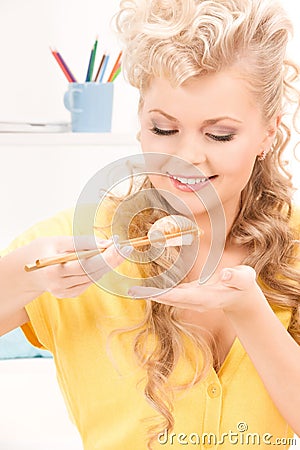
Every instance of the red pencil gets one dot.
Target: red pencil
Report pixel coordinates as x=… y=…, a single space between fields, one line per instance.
x=68 y=74
x=115 y=68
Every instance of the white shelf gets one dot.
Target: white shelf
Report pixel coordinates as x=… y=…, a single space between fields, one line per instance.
x=68 y=139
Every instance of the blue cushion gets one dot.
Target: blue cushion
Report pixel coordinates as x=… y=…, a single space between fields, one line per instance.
x=15 y=345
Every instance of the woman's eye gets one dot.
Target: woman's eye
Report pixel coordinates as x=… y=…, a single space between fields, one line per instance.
x=161 y=132
x=221 y=137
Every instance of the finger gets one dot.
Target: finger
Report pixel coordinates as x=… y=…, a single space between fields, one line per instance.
x=115 y=255
x=112 y=257
x=104 y=243
x=239 y=277
x=62 y=244
x=67 y=271
x=84 y=266
x=88 y=270
x=173 y=298
x=164 y=301
x=144 y=292
x=70 y=292
x=59 y=278
x=179 y=296
x=87 y=242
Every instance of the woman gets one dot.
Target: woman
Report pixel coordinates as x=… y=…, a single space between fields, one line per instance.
x=207 y=364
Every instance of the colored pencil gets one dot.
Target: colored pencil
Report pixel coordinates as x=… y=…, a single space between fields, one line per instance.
x=62 y=64
x=92 y=61
x=104 y=68
x=66 y=67
x=114 y=69
x=117 y=72
x=89 y=66
x=100 y=66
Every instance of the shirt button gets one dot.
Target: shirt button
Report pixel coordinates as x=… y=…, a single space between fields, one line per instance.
x=214 y=390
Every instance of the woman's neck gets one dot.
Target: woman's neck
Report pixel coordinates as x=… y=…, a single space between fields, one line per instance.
x=217 y=223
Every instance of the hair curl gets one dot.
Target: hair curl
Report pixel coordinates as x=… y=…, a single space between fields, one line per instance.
x=181 y=39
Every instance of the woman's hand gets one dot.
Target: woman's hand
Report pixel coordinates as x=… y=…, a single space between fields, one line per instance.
x=68 y=279
x=234 y=290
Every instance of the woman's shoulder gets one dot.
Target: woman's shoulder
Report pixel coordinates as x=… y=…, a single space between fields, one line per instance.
x=73 y=220
x=59 y=224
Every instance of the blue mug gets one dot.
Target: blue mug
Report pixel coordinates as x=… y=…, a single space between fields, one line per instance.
x=91 y=106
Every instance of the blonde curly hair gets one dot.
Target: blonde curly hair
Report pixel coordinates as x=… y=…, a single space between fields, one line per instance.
x=178 y=40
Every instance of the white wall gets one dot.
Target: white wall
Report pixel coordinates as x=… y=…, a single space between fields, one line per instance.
x=32 y=85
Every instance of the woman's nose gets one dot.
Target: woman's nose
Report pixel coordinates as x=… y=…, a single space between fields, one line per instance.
x=192 y=149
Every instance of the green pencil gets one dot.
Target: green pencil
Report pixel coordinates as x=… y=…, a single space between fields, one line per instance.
x=92 y=61
x=116 y=73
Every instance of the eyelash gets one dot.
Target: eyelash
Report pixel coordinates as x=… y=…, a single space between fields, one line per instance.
x=221 y=138
x=218 y=138
x=160 y=132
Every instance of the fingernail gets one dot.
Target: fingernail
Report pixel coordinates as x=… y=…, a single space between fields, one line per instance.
x=102 y=242
x=226 y=275
x=115 y=238
x=126 y=250
x=133 y=295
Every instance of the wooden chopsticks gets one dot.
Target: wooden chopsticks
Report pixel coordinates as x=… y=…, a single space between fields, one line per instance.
x=72 y=256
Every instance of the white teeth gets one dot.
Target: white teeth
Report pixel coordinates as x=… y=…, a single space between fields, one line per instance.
x=190 y=180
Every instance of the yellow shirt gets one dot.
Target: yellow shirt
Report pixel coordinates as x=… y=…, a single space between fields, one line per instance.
x=104 y=394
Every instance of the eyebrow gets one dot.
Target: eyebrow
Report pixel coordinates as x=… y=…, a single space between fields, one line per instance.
x=205 y=122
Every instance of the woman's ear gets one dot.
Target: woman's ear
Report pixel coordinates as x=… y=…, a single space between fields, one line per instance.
x=270 y=134
x=273 y=127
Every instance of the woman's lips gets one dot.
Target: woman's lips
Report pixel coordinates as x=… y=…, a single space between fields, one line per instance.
x=190 y=187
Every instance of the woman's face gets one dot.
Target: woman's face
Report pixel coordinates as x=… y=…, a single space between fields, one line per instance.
x=214 y=127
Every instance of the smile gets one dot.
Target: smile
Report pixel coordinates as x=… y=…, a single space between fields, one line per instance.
x=191 y=180
x=191 y=183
